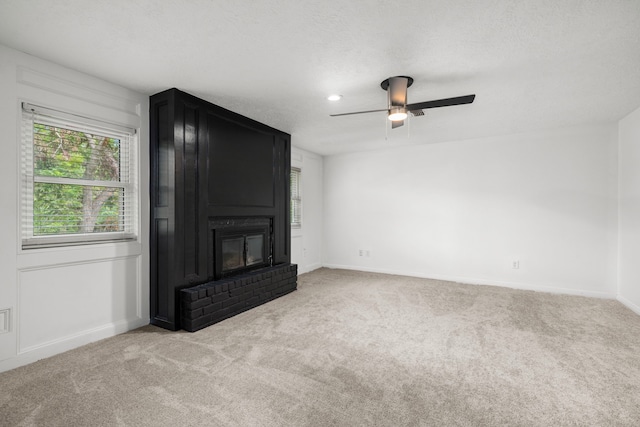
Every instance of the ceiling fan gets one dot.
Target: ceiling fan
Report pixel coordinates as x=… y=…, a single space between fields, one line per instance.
x=397 y=106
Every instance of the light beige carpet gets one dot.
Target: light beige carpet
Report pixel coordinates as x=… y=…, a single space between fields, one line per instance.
x=354 y=349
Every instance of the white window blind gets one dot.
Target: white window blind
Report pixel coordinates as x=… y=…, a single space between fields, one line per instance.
x=78 y=179
x=296 y=200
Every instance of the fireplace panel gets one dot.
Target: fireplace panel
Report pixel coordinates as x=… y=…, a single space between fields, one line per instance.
x=209 y=165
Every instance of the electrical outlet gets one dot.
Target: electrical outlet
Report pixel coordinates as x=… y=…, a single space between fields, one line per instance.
x=515 y=265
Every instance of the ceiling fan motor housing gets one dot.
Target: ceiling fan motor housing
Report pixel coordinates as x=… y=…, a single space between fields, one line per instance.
x=385 y=83
x=396 y=88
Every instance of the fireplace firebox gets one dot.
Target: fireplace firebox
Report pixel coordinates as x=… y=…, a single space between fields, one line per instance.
x=240 y=245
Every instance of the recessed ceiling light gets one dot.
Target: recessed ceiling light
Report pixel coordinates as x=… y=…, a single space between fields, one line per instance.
x=334 y=97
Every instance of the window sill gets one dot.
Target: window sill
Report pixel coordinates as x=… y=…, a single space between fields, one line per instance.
x=41 y=257
x=296 y=231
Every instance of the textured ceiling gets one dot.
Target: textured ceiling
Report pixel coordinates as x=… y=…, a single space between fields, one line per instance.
x=533 y=64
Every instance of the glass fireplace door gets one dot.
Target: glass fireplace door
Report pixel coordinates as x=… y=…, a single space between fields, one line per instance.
x=232 y=253
x=255 y=249
x=242 y=251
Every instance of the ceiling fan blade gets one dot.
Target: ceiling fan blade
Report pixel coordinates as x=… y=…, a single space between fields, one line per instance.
x=397 y=124
x=446 y=102
x=397 y=91
x=357 y=112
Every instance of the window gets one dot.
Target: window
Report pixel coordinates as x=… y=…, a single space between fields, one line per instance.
x=78 y=179
x=296 y=201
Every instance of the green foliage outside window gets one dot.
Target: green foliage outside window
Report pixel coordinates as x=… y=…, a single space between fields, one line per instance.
x=66 y=206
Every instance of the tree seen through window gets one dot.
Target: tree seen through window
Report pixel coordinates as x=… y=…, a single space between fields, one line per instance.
x=72 y=172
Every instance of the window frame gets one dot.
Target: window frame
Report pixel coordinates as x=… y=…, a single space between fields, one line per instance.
x=127 y=181
x=296 y=199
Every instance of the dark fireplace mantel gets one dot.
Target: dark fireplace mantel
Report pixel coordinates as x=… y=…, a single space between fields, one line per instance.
x=214 y=173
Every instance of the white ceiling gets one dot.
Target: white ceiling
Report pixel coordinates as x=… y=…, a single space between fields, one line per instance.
x=533 y=64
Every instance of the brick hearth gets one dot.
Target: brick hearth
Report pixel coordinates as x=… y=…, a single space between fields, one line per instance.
x=209 y=303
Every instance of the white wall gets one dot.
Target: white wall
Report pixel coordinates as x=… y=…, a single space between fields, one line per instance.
x=629 y=211
x=306 y=241
x=52 y=300
x=466 y=210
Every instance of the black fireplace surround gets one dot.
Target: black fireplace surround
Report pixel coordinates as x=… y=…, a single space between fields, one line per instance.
x=219 y=212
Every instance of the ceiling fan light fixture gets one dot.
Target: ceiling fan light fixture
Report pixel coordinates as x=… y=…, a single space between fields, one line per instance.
x=397 y=114
x=398 y=108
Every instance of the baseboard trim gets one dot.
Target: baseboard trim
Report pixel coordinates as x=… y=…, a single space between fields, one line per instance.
x=631 y=306
x=476 y=281
x=308 y=268
x=33 y=354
